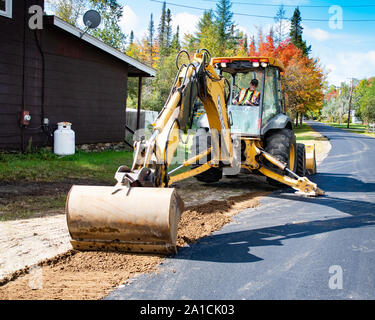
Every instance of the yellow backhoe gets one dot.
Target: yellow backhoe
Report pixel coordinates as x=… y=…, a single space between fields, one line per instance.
x=141 y=212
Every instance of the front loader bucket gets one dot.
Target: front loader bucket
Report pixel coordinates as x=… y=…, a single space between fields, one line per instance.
x=118 y=219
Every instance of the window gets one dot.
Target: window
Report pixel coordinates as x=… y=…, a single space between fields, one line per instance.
x=244 y=119
x=270 y=105
x=6 y=8
x=280 y=93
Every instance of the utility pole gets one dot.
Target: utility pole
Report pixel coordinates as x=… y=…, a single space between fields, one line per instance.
x=350 y=104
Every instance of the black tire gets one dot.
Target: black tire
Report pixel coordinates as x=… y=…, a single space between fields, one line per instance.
x=281 y=144
x=301 y=160
x=202 y=142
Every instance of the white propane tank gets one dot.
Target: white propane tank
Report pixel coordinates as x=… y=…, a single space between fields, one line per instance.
x=64 y=139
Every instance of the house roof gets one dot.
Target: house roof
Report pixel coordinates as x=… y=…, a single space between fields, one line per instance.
x=136 y=68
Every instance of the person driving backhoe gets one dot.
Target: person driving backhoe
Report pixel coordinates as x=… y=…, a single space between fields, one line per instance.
x=249 y=96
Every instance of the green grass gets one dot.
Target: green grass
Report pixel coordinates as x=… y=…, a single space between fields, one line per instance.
x=356 y=128
x=305 y=133
x=53 y=176
x=45 y=166
x=305 y=129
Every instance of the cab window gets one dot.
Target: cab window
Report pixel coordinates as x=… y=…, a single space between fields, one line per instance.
x=270 y=98
x=244 y=119
x=242 y=81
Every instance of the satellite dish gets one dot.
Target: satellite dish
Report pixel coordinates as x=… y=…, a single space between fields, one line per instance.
x=92 y=19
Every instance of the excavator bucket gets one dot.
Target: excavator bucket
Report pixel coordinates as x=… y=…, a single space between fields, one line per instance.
x=121 y=219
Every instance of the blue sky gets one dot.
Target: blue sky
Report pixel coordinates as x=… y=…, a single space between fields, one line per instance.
x=343 y=51
x=346 y=52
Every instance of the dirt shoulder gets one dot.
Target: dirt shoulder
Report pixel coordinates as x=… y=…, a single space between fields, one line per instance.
x=92 y=275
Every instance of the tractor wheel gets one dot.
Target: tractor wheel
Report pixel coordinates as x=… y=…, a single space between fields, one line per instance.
x=202 y=142
x=282 y=144
x=301 y=160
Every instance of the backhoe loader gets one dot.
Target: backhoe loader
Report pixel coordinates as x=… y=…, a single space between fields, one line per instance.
x=141 y=212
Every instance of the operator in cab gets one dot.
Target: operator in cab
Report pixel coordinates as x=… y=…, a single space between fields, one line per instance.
x=249 y=96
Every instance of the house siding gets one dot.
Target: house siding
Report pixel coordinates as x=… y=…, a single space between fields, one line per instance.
x=82 y=84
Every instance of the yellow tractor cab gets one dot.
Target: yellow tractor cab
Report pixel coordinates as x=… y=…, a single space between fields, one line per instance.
x=255 y=120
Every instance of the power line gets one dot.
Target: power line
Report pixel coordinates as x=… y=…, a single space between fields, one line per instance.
x=261 y=16
x=293 y=6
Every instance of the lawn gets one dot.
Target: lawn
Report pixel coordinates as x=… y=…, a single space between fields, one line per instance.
x=44 y=166
x=356 y=128
x=36 y=184
x=307 y=134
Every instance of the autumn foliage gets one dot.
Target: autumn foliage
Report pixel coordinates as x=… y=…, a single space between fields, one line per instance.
x=303 y=78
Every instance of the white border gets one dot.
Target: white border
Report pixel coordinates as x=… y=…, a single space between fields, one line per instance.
x=101 y=45
x=8 y=9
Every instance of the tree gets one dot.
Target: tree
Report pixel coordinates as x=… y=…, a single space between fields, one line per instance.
x=252 y=48
x=303 y=77
x=280 y=33
x=205 y=36
x=204 y=23
x=175 y=45
x=224 y=22
x=168 y=29
x=190 y=43
x=242 y=50
x=161 y=28
x=266 y=48
x=131 y=38
x=109 y=30
x=150 y=39
x=366 y=99
x=165 y=31
x=295 y=34
x=110 y=11
x=68 y=10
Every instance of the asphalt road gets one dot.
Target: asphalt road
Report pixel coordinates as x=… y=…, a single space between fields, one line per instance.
x=291 y=247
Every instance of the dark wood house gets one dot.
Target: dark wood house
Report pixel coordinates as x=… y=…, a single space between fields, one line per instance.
x=55 y=74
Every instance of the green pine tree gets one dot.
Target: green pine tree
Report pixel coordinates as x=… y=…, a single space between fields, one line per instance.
x=168 y=29
x=296 y=31
x=150 y=38
x=224 y=22
x=131 y=38
x=162 y=29
x=175 y=45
